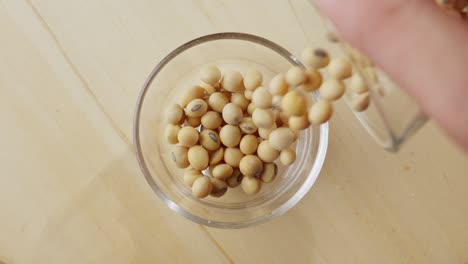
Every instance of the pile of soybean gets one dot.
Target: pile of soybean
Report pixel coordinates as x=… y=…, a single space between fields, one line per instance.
x=231 y=129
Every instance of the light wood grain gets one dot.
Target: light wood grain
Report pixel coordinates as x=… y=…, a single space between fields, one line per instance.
x=71 y=190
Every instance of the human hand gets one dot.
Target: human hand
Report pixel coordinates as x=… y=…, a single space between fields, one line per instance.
x=421 y=47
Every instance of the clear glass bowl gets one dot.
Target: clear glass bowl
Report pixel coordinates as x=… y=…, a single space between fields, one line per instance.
x=180 y=70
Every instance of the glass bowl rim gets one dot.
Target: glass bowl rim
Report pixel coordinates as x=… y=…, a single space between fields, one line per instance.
x=293 y=200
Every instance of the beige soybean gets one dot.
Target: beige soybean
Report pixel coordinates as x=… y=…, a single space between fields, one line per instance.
x=236 y=179
x=201 y=187
x=278 y=85
x=265 y=132
x=276 y=101
x=358 y=85
x=340 y=69
x=233 y=156
x=248 y=126
x=284 y=118
x=320 y=112
x=211 y=120
x=233 y=81
x=314 y=80
x=315 y=58
x=263 y=118
x=216 y=156
x=251 y=185
x=209 y=139
x=219 y=187
x=294 y=104
x=332 y=89
x=252 y=80
x=270 y=170
x=222 y=171
x=298 y=122
x=361 y=102
x=296 y=76
x=240 y=100
x=248 y=144
x=210 y=74
x=209 y=89
x=248 y=94
x=195 y=92
x=251 y=108
x=174 y=114
x=196 y=108
x=266 y=152
x=281 y=138
x=190 y=176
x=217 y=101
x=251 y=165
x=262 y=98
x=170 y=133
x=193 y=121
x=232 y=114
x=230 y=136
x=188 y=136
x=287 y=157
x=180 y=156
x=198 y=157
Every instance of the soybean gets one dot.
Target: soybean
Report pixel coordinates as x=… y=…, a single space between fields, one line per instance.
x=211 y=120
x=262 y=98
x=332 y=89
x=230 y=136
x=217 y=101
x=248 y=126
x=358 y=84
x=298 y=122
x=295 y=76
x=294 y=104
x=188 y=136
x=315 y=58
x=361 y=102
x=266 y=152
x=210 y=74
x=281 y=138
x=232 y=114
x=270 y=170
x=233 y=156
x=288 y=156
x=209 y=139
x=251 y=185
x=201 y=187
x=263 y=118
x=170 y=133
x=233 y=81
x=198 y=157
x=219 y=187
x=248 y=144
x=240 y=100
x=195 y=92
x=236 y=179
x=190 y=176
x=196 y=108
x=251 y=165
x=252 y=80
x=340 y=69
x=278 y=85
x=216 y=156
x=175 y=114
x=222 y=171
x=180 y=156
x=320 y=112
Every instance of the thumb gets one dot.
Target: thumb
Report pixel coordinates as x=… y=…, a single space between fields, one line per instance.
x=421 y=47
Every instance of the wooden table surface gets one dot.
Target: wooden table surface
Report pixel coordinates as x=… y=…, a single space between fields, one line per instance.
x=71 y=190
